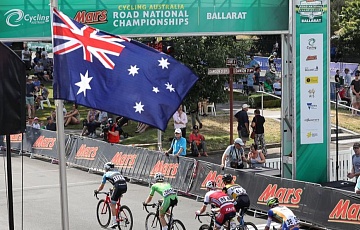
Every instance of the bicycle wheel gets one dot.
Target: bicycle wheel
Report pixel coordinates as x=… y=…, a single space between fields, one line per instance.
x=177 y=225
x=152 y=222
x=205 y=227
x=103 y=213
x=125 y=218
x=249 y=226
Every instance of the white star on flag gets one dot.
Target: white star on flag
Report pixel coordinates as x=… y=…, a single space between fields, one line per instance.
x=156 y=89
x=133 y=70
x=84 y=83
x=169 y=87
x=163 y=63
x=138 y=107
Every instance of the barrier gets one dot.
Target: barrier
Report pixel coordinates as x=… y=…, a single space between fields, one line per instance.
x=313 y=203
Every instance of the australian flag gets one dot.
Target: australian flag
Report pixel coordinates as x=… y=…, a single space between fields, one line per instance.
x=116 y=74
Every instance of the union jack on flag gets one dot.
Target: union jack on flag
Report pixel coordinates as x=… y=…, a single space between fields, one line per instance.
x=116 y=74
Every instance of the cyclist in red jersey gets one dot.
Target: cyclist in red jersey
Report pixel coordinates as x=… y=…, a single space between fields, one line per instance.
x=220 y=200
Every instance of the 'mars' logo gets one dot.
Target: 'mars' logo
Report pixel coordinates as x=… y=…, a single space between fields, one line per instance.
x=168 y=169
x=87 y=153
x=91 y=17
x=212 y=175
x=345 y=213
x=124 y=160
x=44 y=143
x=291 y=197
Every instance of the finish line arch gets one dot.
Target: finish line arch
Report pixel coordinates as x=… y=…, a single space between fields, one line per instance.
x=304 y=29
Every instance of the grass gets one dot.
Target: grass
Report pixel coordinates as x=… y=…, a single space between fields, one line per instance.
x=215 y=129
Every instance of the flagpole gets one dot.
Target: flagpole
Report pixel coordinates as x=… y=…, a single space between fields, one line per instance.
x=61 y=148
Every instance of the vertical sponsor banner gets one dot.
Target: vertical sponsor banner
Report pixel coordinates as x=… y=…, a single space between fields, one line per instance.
x=311 y=90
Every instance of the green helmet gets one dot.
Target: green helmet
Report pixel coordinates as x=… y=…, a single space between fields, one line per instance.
x=272 y=201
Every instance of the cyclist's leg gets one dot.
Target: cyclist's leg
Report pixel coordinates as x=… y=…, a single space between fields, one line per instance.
x=119 y=189
x=163 y=210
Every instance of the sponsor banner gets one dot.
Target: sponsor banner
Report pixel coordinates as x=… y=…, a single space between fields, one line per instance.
x=88 y=153
x=18 y=19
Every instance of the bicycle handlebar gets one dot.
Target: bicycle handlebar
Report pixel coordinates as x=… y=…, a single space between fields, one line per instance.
x=211 y=214
x=153 y=205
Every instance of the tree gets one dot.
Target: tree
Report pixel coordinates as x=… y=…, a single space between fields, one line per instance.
x=201 y=53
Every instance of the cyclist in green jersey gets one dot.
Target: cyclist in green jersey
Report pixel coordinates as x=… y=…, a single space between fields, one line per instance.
x=167 y=192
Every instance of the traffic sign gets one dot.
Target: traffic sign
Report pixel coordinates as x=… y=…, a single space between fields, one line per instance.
x=218 y=71
x=231 y=61
x=243 y=70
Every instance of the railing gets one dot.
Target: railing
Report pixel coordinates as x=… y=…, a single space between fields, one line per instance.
x=345 y=106
x=345 y=164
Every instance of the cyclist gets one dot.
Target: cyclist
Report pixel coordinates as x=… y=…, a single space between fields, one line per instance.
x=237 y=193
x=282 y=214
x=220 y=200
x=120 y=187
x=167 y=192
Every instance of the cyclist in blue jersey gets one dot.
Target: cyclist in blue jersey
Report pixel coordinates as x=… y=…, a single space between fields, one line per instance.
x=120 y=187
x=282 y=214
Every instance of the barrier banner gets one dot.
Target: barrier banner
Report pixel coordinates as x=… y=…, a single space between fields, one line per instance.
x=88 y=153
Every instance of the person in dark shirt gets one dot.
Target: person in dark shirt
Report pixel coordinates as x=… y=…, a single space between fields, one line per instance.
x=258 y=125
x=243 y=123
x=50 y=124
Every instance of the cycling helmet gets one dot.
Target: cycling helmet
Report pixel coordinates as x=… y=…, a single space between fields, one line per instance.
x=227 y=178
x=210 y=184
x=108 y=165
x=159 y=177
x=272 y=201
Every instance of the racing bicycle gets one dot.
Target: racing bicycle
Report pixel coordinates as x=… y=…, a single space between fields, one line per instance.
x=124 y=216
x=152 y=220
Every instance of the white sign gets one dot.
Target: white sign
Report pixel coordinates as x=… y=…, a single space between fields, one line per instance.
x=218 y=71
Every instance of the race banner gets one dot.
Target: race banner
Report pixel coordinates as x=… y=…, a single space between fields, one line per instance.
x=24 y=20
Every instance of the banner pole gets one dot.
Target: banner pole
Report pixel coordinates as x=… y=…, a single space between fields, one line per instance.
x=9 y=183
x=60 y=134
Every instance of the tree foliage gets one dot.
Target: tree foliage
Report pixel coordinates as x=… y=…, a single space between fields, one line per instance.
x=349 y=26
x=200 y=53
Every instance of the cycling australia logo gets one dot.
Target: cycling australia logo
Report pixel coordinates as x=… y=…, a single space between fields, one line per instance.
x=311 y=44
x=17 y=17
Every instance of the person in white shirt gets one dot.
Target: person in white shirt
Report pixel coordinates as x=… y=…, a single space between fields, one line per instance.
x=36 y=124
x=277 y=87
x=180 y=121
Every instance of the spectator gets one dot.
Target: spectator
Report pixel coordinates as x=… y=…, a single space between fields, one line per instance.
x=256 y=78
x=178 y=144
x=89 y=123
x=36 y=124
x=26 y=57
x=36 y=59
x=180 y=121
x=30 y=92
x=253 y=63
x=39 y=70
x=258 y=125
x=243 y=123
x=121 y=122
x=355 y=170
x=111 y=132
x=347 y=77
x=233 y=155
x=44 y=52
x=250 y=84
x=357 y=186
x=45 y=62
x=197 y=142
x=355 y=89
x=277 y=87
x=141 y=127
x=72 y=117
x=256 y=158
x=44 y=93
x=194 y=112
x=343 y=95
x=50 y=124
x=203 y=107
x=337 y=76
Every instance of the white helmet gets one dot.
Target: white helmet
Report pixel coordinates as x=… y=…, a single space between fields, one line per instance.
x=159 y=176
x=109 y=165
x=210 y=184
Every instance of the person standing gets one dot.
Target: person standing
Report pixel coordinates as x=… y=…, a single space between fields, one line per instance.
x=194 y=112
x=256 y=77
x=243 y=123
x=233 y=155
x=355 y=89
x=258 y=125
x=26 y=57
x=355 y=170
x=30 y=100
x=178 y=145
x=337 y=76
x=347 y=77
x=180 y=121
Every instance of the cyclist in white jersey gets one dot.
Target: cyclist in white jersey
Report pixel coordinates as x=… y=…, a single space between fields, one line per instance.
x=282 y=214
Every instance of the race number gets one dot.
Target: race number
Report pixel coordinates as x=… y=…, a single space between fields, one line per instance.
x=224 y=199
x=168 y=192
x=117 y=178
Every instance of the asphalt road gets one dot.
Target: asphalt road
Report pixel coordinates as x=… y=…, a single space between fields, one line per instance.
x=37 y=206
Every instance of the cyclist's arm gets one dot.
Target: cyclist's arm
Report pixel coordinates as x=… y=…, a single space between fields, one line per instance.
x=267 y=227
x=148 y=200
x=103 y=181
x=201 y=210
